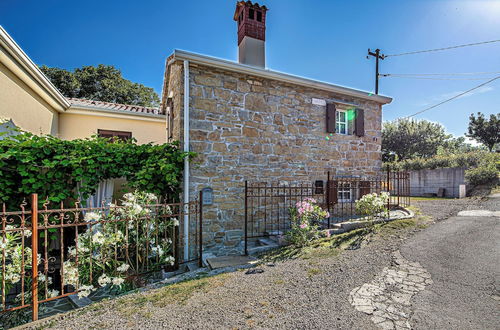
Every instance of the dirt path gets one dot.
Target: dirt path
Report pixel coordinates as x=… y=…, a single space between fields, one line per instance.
x=304 y=293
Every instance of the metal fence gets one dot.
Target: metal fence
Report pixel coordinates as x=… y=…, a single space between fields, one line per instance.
x=267 y=206
x=49 y=253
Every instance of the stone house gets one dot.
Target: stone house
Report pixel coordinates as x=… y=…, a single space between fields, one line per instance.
x=247 y=122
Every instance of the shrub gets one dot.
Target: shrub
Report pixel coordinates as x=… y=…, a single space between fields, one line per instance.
x=485 y=174
x=306 y=217
x=65 y=170
x=372 y=204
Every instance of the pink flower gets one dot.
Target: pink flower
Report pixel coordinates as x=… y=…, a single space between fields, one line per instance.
x=304 y=225
x=310 y=200
x=301 y=210
x=327 y=214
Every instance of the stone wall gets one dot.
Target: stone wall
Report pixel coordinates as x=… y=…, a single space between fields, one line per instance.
x=248 y=128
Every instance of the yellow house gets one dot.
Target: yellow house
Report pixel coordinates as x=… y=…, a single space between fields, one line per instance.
x=29 y=101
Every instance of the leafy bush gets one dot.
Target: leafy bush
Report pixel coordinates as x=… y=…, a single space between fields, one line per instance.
x=73 y=169
x=467 y=160
x=306 y=217
x=372 y=204
x=485 y=174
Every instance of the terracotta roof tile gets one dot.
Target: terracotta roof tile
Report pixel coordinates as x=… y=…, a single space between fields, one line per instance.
x=114 y=106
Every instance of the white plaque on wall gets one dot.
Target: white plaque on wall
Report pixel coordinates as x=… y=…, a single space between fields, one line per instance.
x=318 y=101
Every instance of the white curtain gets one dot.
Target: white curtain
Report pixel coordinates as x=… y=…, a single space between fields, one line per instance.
x=103 y=194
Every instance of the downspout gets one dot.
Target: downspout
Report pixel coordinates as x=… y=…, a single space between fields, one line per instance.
x=186 y=160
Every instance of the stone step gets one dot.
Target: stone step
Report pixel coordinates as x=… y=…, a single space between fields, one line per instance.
x=79 y=302
x=271 y=240
x=260 y=249
x=276 y=232
x=336 y=231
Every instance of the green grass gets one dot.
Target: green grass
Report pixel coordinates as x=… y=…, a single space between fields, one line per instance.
x=429 y=198
x=313 y=271
x=333 y=246
x=177 y=293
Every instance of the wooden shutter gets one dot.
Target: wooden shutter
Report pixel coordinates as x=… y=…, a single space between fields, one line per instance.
x=333 y=197
x=364 y=188
x=359 y=122
x=330 y=118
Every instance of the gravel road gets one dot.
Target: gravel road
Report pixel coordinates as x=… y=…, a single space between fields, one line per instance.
x=295 y=294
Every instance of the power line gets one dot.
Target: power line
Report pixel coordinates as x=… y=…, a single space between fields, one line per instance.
x=454 y=97
x=431 y=78
x=445 y=48
x=440 y=74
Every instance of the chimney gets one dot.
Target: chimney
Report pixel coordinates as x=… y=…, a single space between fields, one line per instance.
x=251 y=20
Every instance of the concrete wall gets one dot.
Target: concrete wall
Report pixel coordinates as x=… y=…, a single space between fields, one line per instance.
x=22 y=105
x=424 y=182
x=77 y=126
x=248 y=128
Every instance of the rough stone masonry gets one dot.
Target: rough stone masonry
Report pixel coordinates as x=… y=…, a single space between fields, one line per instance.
x=246 y=127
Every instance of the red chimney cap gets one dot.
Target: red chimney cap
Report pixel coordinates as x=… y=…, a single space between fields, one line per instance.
x=248 y=4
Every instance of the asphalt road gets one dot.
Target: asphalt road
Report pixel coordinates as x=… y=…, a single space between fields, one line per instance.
x=462 y=254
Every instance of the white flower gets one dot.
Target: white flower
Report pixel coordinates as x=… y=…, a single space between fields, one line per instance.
x=129 y=197
x=27 y=233
x=103 y=280
x=175 y=222
x=136 y=209
x=85 y=290
x=53 y=293
x=123 y=268
x=72 y=251
x=157 y=250
x=98 y=238
x=92 y=216
x=151 y=197
x=118 y=281
x=170 y=260
x=3 y=244
x=13 y=278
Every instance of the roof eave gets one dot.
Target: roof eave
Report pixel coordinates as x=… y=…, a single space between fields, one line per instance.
x=58 y=100
x=275 y=75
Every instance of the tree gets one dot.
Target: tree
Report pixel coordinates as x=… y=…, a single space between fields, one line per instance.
x=485 y=131
x=101 y=83
x=408 y=138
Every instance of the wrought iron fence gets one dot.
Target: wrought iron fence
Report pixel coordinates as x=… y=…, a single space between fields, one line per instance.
x=49 y=253
x=267 y=206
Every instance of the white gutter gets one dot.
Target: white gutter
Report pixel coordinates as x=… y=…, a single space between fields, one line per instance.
x=275 y=75
x=23 y=65
x=186 y=160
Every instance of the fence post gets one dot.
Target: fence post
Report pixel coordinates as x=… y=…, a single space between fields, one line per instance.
x=328 y=197
x=34 y=251
x=389 y=188
x=246 y=217
x=200 y=242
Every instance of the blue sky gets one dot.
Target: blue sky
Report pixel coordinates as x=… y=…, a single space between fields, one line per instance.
x=320 y=39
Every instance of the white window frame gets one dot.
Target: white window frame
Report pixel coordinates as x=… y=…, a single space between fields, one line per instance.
x=344 y=190
x=338 y=122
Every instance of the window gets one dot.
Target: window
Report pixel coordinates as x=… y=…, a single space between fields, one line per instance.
x=251 y=14
x=259 y=16
x=341 y=122
x=344 y=192
x=114 y=134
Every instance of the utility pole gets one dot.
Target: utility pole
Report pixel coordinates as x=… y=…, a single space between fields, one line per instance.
x=377 y=57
